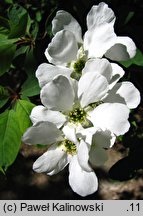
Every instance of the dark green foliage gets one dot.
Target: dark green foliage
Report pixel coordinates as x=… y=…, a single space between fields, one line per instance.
x=20 y=40
x=10 y=138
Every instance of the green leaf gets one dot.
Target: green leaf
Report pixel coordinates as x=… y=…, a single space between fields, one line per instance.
x=3 y=33
x=134 y=124
x=34 y=29
x=4 y=40
x=10 y=138
x=4 y=22
x=21 y=50
x=1 y=170
x=30 y=62
x=137 y=60
x=29 y=23
x=3 y=101
x=7 y=51
x=129 y=17
x=38 y=16
x=3 y=91
x=120 y=138
x=9 y=1
x=23 y=110
x=24 y=97
x=30 y=87
x=4 y=96
x=18 y=19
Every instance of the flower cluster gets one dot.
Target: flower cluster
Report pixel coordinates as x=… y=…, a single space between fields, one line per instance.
x=85 y=107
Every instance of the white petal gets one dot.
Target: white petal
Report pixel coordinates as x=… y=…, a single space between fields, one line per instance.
x=49 y=160
x=102 y=66
x=65 y=21
x=97 y=156
x=99 y=39
x=125 y=93
x=44 y=133
x=86 y=134
x=98 y=140
x=70 y=133
x=100 y=14
x=62 y=49
x=83 y=156
x=46 y=72
x=82 y=182
x=103 y=138
x=91 y=88
x=41 y=113
x=123 y=49
x=58 y=94
x=60 y=166
x=117 y=73
x=113 y=117
x=74 y=84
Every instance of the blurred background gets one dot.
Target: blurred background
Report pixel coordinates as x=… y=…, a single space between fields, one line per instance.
x=25 y=32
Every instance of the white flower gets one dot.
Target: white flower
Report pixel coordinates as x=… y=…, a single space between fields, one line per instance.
x=98 y=85
x=80 y=103
x=66 y=149
x=99 y=140
x=46 y=72
x=81 y=119
x=99 y=39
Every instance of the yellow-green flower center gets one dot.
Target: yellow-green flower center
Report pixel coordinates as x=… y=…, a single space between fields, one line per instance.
x=94 y=105
x=77 y=115
x=79 y=65
x=69 y=147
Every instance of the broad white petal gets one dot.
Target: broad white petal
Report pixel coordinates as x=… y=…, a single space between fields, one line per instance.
x=65 y=21
x=62 y=49
x=91 y=88
x=60 y=166
x=87 y=134
x=98 y=140
x=44 y=133
x=117 y=73
x=99 y=14
x=58 y=94
x=122 y=50
x=97 y=155
x=103 y=138
x=46 y=72
x=41 y=113
x=113 y=117
x=125 y=93
x=102 y=66
x=50 y=160
x=70 y=133
x=83 y=156
x=99 y=39
x=82 y=182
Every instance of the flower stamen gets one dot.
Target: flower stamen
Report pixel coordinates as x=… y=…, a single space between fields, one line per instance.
x=94 y=105
x=79 y=65
x=69 y=147
x=77 y=115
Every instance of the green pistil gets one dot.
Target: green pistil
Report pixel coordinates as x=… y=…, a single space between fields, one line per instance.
x=79 y=65
x=70 y=147
x=77 y=115
x=94 y=105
